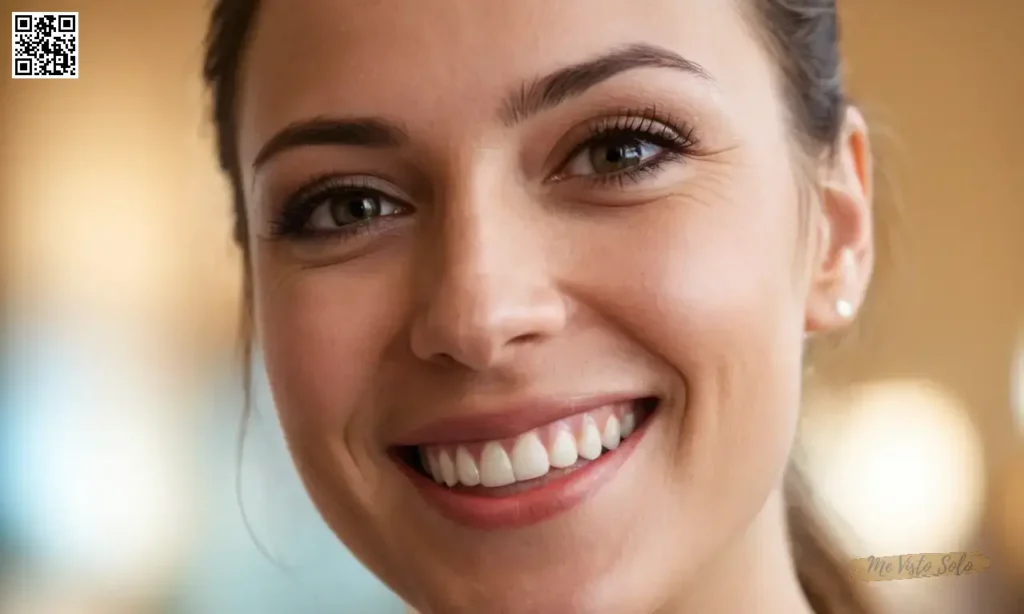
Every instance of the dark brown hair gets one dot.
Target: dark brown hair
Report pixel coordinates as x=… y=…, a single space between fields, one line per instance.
x=802 y=34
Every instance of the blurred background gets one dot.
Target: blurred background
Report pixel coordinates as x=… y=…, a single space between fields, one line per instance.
x=120 y=489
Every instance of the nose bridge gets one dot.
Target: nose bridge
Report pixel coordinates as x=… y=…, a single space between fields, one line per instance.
x=485 y=283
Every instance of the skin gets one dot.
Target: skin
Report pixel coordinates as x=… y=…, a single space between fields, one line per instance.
x=698 y=282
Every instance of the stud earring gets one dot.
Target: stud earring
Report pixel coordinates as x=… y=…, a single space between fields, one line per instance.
x=844 y=309
x=849 y=270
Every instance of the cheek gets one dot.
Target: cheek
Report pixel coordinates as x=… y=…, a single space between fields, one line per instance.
x=324 y=332
x=714 y=293
x=706 y=275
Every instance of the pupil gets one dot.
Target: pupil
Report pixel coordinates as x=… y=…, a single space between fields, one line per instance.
x=618 y=155
x=355 y=209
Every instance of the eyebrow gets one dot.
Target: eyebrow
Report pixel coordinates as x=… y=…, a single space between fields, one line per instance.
x=531 y=98
x=355 y=132
x=572 y=81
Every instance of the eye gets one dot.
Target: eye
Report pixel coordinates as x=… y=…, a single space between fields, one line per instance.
x=342 y=209
x=611 y=154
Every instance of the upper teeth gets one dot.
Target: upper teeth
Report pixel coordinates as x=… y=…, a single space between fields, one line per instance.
x=531 y=454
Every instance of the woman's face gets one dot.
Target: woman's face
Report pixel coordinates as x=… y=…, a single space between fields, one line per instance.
x=486 y=238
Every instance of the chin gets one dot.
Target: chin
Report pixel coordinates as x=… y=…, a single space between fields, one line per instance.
x=573 y=585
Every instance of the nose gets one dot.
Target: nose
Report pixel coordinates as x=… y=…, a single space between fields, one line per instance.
x=485 y=295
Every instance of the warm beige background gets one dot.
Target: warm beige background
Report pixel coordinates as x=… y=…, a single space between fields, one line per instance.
x=112 y=203
x=944 y=84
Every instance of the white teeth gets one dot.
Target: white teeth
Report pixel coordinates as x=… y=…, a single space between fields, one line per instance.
x=495 y=466
x=628 y=424
x=465 y=467
x=447 y=469
x=502 y=463
x=590 y=439
x=529 y=458
x=611 y=436
x=563 y=450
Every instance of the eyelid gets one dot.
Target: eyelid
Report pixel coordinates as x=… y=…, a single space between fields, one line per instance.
x=326 y=182
x=677 y=138
x=295 y=210
x=624 y=120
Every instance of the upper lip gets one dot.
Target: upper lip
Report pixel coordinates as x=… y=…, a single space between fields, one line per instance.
x=508 y=421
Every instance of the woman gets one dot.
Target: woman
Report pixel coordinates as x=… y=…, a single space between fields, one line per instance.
x=533 y=281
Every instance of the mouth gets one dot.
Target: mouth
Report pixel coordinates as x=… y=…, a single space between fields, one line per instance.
x=530 y=476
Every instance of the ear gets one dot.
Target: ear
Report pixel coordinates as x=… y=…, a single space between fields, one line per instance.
x=842 y=244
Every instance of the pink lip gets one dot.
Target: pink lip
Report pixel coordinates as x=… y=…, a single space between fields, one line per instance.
x=507 y=422
x=530 y=506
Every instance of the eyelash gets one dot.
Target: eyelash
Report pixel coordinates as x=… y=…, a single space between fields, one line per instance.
x=294 y=216
x=677 y=140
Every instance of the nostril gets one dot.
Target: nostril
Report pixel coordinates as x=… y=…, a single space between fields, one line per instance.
x=445 y=360
x=527 y=338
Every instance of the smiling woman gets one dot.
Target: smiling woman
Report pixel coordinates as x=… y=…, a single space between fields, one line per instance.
x=533 y=280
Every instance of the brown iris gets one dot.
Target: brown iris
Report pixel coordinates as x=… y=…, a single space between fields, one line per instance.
x=619 y=153
x=354 y=208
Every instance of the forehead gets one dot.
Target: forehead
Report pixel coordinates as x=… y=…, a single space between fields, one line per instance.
x=435 y=59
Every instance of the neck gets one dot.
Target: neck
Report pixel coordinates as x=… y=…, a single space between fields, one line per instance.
x=755 y=574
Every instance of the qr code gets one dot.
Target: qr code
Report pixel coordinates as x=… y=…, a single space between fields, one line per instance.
x=45 y=45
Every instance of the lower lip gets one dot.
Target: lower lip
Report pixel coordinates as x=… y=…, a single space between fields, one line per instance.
x=531 y=506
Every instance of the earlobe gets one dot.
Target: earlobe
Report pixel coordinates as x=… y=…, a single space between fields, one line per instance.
x=849 y=265
x=842 y=268
x=837 y=294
